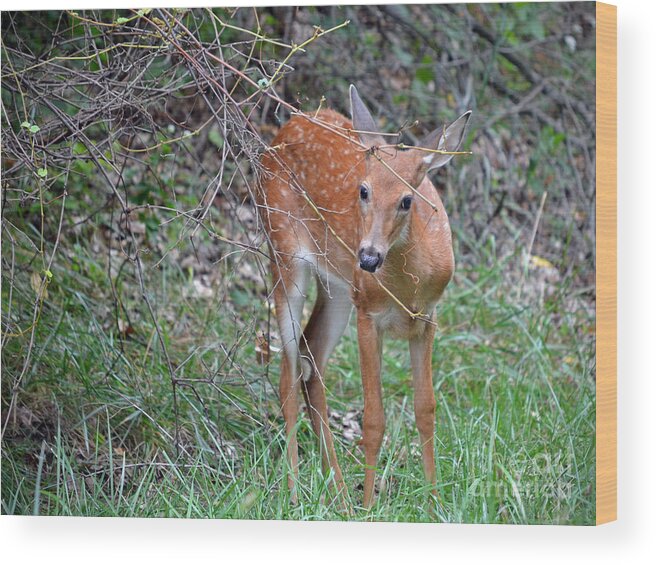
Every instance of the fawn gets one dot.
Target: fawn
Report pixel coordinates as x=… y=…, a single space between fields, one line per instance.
x=360 y=216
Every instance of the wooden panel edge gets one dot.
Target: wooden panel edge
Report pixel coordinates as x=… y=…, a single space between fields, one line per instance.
x=606 y=276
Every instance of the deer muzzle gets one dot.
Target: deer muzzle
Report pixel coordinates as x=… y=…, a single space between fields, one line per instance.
x=370 y=259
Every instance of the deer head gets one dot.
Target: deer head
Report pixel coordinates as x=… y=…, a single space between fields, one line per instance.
x=386 y=193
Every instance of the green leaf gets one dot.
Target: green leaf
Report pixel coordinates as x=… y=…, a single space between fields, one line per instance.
x=79 y=148
x=557 y=139
x=215 y=138
x=26 y=124
x=425 y=72
x=535 y=29
x=48 y=274
x=43 y=173
x=511 y=37
x=34 y=128
x=400 y=99
x=121 y=21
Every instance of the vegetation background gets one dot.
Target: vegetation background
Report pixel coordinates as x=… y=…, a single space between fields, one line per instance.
x=139 y=357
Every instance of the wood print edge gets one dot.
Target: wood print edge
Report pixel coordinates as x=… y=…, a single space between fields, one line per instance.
x=606 y=276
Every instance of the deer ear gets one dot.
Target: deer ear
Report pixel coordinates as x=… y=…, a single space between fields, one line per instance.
x=444 y=139
x=363 y=122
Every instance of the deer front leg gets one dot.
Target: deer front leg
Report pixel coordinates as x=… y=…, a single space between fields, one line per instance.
x=421 y=349
x=373 y=424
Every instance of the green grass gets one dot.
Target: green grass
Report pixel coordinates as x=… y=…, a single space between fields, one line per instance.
x=94 y=432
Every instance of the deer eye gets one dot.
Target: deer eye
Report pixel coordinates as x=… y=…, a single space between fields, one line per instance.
x=364 y=192
x=406 y=201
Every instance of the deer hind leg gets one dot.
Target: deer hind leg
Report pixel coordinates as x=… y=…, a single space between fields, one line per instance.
x=289 y=296
x=326 y=325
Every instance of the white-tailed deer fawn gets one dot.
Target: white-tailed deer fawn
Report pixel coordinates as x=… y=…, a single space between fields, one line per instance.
x=359 y=215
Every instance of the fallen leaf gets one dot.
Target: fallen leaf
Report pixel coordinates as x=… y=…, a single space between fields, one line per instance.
x=124 y=328
x=541 y=262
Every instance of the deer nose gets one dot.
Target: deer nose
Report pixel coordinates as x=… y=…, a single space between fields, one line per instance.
x=370 y=259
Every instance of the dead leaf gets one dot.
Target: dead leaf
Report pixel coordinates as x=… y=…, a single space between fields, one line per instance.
x=248 y=500
x=40 y=289
x=137 y=227
x=348 y=424
x=262 y=349
x=124 y=328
